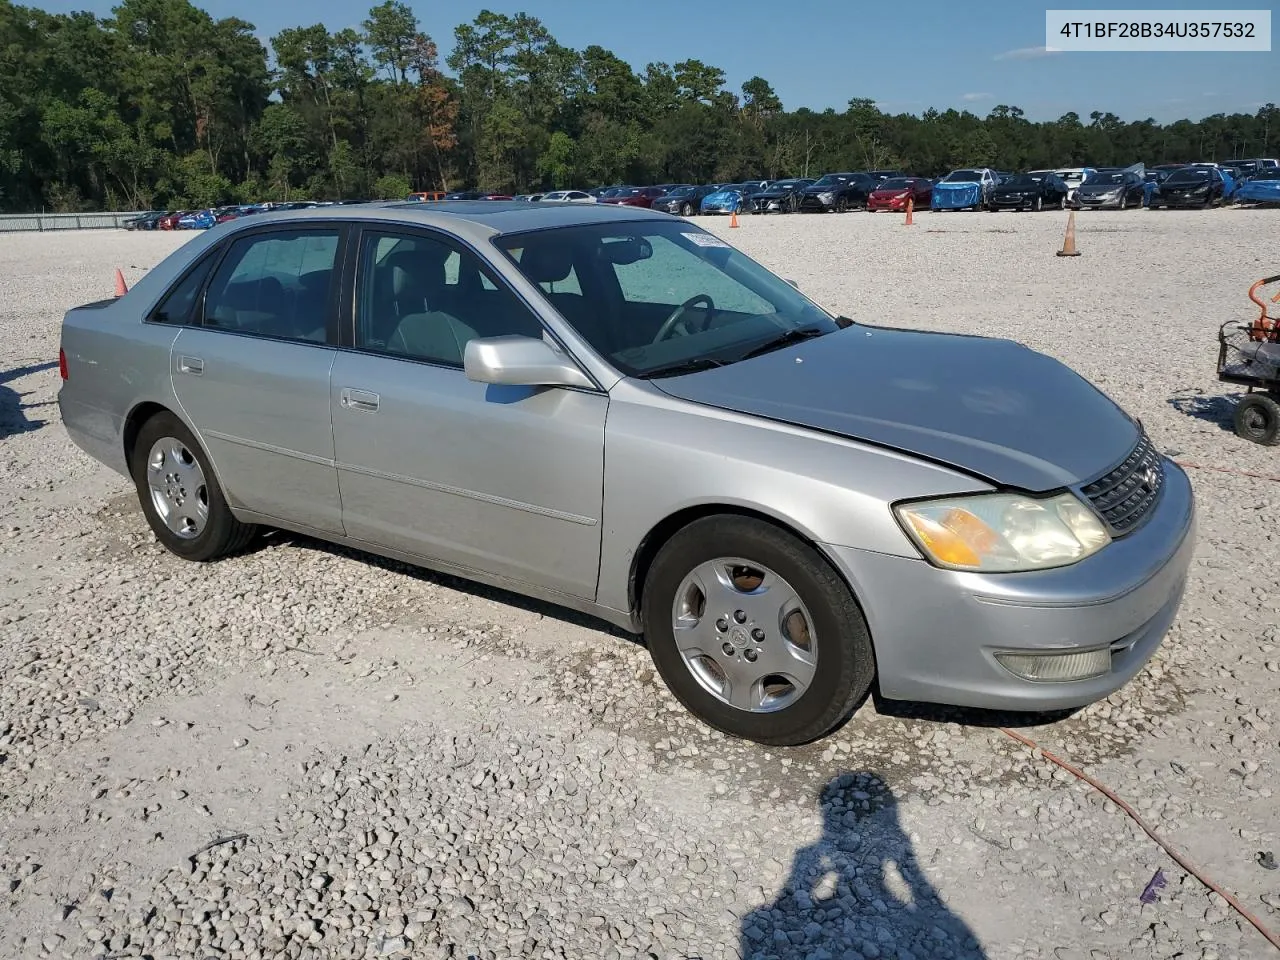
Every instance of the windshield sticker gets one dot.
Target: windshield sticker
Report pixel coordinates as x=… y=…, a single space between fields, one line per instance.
x=704 y=239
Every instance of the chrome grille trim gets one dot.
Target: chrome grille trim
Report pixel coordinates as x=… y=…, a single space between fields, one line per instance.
x=1125 y=495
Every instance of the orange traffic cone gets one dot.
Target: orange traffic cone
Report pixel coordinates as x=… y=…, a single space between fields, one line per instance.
x=910 y=207
x=121 y=287
x=733 y=219
x=1069 y=243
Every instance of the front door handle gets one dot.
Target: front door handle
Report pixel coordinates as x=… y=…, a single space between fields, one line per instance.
x=354 y=399
x=191 y=365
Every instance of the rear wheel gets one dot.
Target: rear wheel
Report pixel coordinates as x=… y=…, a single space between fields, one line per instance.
x=754 y=632
x=180 y=496
x=1257 y=419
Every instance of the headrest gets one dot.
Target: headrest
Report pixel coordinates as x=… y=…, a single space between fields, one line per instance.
x=547 y=261
x=411 y=272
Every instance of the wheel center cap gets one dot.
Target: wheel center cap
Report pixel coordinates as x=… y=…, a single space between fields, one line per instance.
x=738 y=636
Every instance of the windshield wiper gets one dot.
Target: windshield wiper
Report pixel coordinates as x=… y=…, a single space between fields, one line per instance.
x=797 y=335
x=685 y=366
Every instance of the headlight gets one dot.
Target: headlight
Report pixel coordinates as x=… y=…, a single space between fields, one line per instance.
x=826 y=197
x=1003 y=532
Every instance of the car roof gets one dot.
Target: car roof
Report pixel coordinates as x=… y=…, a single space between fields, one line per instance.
x=475 y=219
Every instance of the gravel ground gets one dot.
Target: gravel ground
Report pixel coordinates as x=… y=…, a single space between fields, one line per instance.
x=306 y=752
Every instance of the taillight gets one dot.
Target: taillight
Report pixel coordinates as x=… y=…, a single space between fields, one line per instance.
x=62 y=363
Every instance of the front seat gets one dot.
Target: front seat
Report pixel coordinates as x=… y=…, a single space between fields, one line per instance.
x=549 y=260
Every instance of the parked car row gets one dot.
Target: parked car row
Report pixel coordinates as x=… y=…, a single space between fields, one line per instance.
x=972 y=188
x=204 y=219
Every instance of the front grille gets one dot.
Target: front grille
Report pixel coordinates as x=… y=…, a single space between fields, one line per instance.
x=1126 y=495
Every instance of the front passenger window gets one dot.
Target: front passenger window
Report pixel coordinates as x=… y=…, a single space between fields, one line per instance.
x=422 y=298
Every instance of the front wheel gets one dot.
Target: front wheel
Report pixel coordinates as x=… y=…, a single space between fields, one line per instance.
x=1257 y=418
x=686 y=210
x=842 y=205
x=1124 y=201
x=180 y=496
x=755 y=633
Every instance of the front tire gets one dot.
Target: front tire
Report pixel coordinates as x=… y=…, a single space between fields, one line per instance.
x=686 y=210
x=179 y=493
x=755 y=633
x=1257 y=418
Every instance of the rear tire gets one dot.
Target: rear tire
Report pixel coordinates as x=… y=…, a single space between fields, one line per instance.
x=1257 y=419
x=732 y=620
x=166 y=448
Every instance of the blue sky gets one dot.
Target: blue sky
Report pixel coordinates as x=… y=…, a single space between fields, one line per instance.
x=819 y=53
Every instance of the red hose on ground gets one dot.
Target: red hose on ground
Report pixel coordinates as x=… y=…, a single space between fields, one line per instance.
x=1186 y=865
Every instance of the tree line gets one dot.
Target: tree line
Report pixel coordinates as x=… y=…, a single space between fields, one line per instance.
x=161 y=105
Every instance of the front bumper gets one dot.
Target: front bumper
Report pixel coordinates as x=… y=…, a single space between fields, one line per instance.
x=888 y=203
x=936 y=632
x=1179 y=200
x=770 y=204
x=1084 y=201
x=812 y=204
x=1005 y=202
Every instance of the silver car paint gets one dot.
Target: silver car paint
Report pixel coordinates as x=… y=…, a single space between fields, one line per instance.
x=262 y=409
x=663 y=457
x=464 y=471
x=988 y=406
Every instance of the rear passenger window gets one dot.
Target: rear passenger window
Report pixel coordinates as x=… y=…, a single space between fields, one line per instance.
x=178 y=306
x=275 y=285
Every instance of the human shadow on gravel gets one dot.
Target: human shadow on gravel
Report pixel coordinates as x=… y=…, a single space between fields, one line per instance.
x=858 y=892
x=13 y=419
x=1216 y=410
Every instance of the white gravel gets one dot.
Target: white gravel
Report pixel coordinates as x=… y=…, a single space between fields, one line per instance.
x=417 y=767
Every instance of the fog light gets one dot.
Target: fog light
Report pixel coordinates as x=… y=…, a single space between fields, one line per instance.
x=1057 y=667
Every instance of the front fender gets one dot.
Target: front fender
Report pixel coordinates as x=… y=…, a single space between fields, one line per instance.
x=664 y=456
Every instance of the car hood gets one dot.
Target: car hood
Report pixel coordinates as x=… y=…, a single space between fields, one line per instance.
x=1016 y=188
x=990 y=407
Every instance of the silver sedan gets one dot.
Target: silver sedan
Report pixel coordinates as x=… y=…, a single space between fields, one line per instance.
x=617 y=411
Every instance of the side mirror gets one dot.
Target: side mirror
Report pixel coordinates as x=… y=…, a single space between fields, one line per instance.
x=793 y=283
x=520 y=362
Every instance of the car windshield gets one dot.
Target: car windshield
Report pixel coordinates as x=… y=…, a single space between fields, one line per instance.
x=654 y=298
x=964 y=176
x=895 y=183
x=831 y=180
x=1022 y=180
x=1271 y=173
x=1106 y=178
x=681 y=192
x=1190 y=175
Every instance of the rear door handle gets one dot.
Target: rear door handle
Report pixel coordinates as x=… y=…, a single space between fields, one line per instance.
x=355 y=399
x=191 y=365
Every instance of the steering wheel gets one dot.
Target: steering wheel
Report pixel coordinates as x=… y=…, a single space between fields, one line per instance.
x=669 y=325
